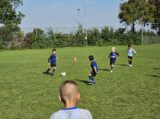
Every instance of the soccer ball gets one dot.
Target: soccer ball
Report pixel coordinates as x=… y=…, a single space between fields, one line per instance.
x=63 y=74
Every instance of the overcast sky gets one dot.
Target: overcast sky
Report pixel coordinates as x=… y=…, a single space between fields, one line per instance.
x=63 y=13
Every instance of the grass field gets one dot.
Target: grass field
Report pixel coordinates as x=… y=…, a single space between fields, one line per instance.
x=127 y=93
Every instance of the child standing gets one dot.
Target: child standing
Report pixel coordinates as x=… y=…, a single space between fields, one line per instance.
x=130 y=54
x=113 y=55
x=52 y=62
x=94 y=71
x=69 y=96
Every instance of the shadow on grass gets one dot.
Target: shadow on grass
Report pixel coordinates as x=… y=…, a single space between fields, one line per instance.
x=104 y=69
x=82 y=81
x=155 y=76
x=124 y=65
x=47 y=74
x=156 y=68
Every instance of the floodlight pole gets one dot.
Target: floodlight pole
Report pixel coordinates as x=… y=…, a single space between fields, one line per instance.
x=86 y=34
x=142 y=36
x=78 y=12
x=141 y=22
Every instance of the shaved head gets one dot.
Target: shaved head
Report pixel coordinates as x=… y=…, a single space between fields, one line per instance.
x=68 y=91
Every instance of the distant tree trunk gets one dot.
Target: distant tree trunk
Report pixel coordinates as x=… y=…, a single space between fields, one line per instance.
x=158 y=32
x=133 y=28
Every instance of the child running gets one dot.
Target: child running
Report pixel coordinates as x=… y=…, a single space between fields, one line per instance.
x=113 y=55
x=130 y=54
x=94 y=71
x=52 y=63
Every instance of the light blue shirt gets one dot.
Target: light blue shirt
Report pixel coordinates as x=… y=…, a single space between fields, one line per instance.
x=72 y=113
x=131 y=51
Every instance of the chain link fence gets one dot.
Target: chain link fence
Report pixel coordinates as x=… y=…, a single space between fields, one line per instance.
x=151 y=40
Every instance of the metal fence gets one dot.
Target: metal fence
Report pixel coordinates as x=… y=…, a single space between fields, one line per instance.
x=150 y=39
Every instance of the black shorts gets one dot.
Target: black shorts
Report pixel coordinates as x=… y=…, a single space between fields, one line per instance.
x=93 y=73
x=130 y=57
x=112 y=62
x=53 y=65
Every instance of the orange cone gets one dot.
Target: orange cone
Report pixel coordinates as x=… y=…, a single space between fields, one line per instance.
x=75 y=59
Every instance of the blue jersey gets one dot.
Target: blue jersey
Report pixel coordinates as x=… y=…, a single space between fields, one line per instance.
x=52 y=59
x=94 y=64
x=113 y=55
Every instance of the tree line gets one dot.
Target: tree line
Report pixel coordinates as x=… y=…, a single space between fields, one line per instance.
x=38 y=38
x=145 y=13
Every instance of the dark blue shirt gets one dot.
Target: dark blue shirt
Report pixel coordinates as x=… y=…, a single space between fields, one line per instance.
x=94 y=64
x=113 y=55
x=52 y=59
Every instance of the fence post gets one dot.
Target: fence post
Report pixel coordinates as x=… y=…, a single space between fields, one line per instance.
x=86 y=37
x=142 y=37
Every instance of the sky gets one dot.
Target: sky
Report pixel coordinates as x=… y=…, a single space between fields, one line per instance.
x=64 y=13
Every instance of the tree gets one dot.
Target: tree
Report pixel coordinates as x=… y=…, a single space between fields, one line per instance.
x=80 y=40
x=94 y=36
x=8 y=14
x=105 y=34
x=35 y=35
x=5 y=35
x=156 y=22
x=50 y=31
x=136 y=11
x=128 y=13
x=146 y=12
x=38 y=31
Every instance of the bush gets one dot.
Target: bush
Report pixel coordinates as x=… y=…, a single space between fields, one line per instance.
x=96 y=37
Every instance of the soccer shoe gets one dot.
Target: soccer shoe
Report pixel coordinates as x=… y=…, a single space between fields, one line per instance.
x=45 y=72
x=52 y=74
x=112 y=65
x=94 y=82
x=90 y=82
x=111 y=71
x=130 y=65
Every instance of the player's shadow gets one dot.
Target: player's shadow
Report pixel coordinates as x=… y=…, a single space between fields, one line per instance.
x=154 y=76
x=82 y=81
x=156 y=68
x=47 y=74
x=124 y=65
x=104 y=69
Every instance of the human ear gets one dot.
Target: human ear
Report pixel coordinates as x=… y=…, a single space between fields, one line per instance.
x=59 y=97
x=78 y=96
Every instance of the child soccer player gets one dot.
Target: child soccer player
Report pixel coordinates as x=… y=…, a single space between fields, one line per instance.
x=52 y=62
x=130 y=54
x=94 y=71
x=113 y=55
x=69 y=96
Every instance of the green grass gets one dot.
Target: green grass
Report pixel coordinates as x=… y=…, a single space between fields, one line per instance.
x=127 y=93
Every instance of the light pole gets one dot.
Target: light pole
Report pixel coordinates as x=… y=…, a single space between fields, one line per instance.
x=142 y=36
x=85 y=9
x=78 y=21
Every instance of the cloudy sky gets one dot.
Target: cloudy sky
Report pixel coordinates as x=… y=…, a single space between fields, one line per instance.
x=64 y=13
